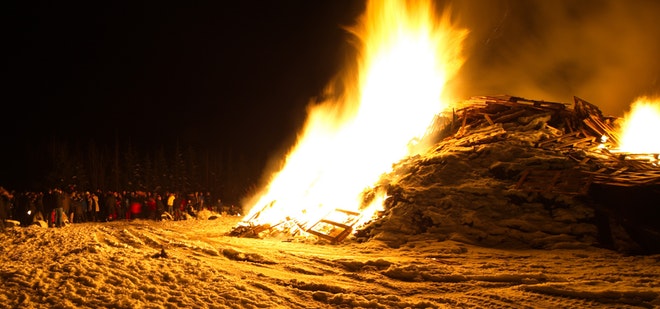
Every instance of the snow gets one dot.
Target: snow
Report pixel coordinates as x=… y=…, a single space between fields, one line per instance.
x=194 y=264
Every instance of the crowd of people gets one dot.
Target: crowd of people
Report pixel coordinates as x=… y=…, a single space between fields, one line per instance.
x=57 y=207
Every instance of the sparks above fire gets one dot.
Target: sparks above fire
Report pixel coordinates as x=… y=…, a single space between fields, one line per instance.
x=384 y=103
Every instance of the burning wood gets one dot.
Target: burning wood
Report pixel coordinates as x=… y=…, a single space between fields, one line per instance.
x=333 y=227
x=581 y=133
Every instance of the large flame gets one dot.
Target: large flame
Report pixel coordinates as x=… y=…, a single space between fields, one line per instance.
x=640 y=127
x=390 y=98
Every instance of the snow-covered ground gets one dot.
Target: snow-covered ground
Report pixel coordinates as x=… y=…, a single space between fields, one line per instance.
x=194 y=264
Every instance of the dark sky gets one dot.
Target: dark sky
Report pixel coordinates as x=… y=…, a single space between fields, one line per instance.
x=212 y=74
x=237 y=76
x=188 y=69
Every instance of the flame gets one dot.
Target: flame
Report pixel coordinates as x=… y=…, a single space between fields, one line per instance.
x=640 y=127
x=389 y=99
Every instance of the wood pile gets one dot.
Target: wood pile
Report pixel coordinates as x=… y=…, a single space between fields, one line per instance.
x=578 y=134
x=580 y=131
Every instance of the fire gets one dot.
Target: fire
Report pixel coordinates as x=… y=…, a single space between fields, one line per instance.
x=389 y=99
x=640 y=128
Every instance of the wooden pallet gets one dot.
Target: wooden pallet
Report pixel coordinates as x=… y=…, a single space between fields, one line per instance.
x=335 y=226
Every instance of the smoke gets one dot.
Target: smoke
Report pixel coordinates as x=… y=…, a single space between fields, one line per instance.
x=606 y=52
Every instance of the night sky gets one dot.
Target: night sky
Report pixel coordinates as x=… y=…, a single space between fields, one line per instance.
x=237 y=76
x=225 y=77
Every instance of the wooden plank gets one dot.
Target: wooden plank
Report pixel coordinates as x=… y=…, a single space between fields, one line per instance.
x=601 y=128
x=335 y=223
x=557 y=139
x=555 y=177
x=461 y=130
x=522 y=179
x=574 y=143
x=510 y=116
x=569 y=124
x=490 y=121
x=619 y=171
x=348 y=212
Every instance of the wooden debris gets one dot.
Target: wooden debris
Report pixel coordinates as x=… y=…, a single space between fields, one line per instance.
x=582 y=129
x=249 y=230
x=629 y=179
x=558 y=139
x=335 y=226
x=512 y=114
x=573 y=139
x=489 y=110
x=490 y=121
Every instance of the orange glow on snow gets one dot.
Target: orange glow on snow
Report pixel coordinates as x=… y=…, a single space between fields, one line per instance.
x=640 y=129
x=390 y=98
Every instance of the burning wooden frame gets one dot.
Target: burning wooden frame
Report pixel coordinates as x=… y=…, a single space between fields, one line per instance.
x=333 y=227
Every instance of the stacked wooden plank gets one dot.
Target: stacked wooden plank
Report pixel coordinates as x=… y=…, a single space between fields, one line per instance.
x=580 y=128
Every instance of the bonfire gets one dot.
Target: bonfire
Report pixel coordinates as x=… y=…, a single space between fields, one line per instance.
x=391 y=108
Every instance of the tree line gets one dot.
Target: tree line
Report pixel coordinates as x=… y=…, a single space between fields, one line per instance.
x=122 y=166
